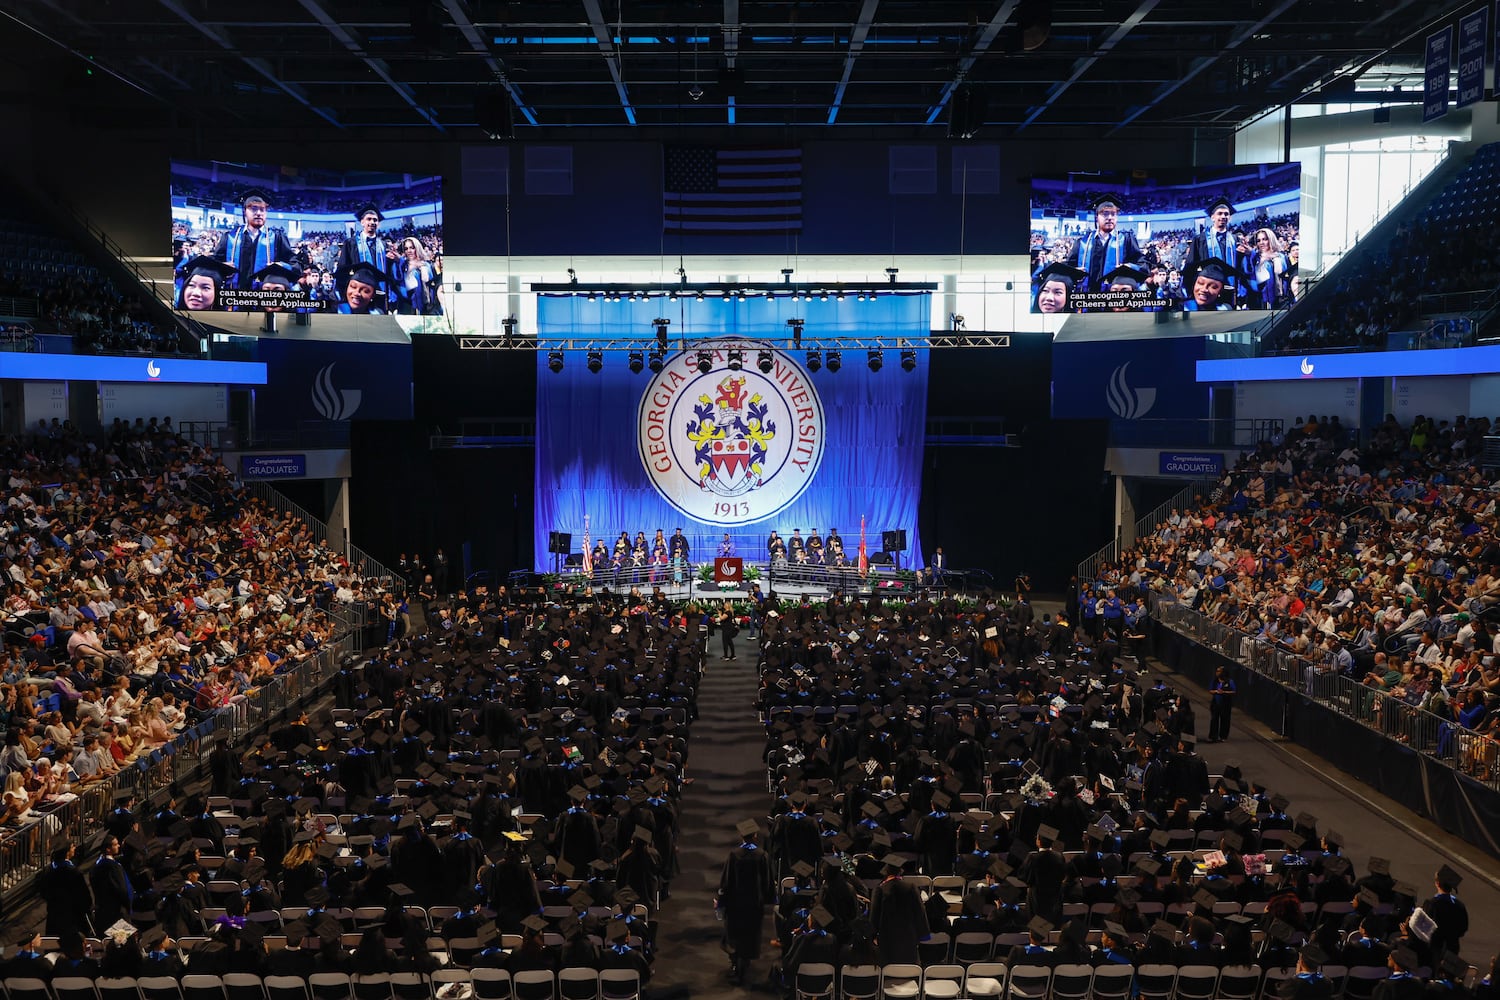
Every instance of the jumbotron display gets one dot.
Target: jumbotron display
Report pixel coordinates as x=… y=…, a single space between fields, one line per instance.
x=1206 y=239
x=248 y=238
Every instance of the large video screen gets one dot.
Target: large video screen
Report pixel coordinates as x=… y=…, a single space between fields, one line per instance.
x=1202 y=239
x=255 y=238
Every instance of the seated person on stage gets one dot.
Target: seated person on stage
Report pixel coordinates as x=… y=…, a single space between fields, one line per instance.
x=815 y=548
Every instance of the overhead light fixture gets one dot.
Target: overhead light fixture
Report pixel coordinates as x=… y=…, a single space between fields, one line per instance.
x=956 y=320
x=841 y=296
x=705 y=362
x=891 y=273
x=835 y=360
x=876 y=360
x=736 y=359
x=727 y=295
x=656 y=361
x=786 y=276
x=555 y=361
x=860 y=296
x=509 y=324
x=681 y=274
x=637 y=362
x=814 y=360
x=764 y=361
x=908 y=360
x=700 y=295
x=591 y=296
x=742 y=295
x=796 y=323
x=661 y=323
x=823 y=296
x=596 y=361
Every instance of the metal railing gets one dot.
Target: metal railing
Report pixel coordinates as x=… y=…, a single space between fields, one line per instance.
x=20 y=307
x=26 y=851
x=1088 y=569
x=360 y=561
x=1442 y=740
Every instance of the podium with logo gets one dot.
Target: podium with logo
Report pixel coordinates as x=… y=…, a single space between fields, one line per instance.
x=729 y=572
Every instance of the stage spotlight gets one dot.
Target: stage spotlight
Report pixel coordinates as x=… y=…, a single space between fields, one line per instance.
x=656 y=361
x=814 y=360
x=591 y=297
x=742 y=295
x=736 y=359
x=727 y=295
x=555 y=361
x=861 y=296
x=596 y=361
x=700 y=296
x=764 y=362
x=841 y=296
x=796 y=323
x=876 y=360
x=908 y=360
x=705 y=362
x=835 y=360
x=823 y=297
x=637 y=362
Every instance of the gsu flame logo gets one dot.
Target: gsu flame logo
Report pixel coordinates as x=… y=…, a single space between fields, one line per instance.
x=330 y=402
x=1126 y=401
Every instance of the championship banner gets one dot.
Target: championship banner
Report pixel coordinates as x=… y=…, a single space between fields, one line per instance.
x=715 y=445
x=1436 y=69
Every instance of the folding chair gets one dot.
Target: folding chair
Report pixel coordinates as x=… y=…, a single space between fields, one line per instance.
x=1360 y=983
x=244 y=986
x=202 y=988
x=973 y=946
x=942 y=982
x=535 y=984
x=1197 y=982
x=122 y=988
x=1030 y=982
x=985 y=979
x=492 y=984
x=376 y=986
x=578 y=984
x=154 y=988
x=1113 y=982
x=285 y=988
x=330 y=986
x=900 y=981
x=1239 y=982
x=410 y=986
x=452 y=984
x=620 y=984
x=814 y=981
x=74 y=988
x=1155 y=982
x=22 y=988
x=1072 y=981
x=934 y=951
x=1271 y=985
x=859 y=982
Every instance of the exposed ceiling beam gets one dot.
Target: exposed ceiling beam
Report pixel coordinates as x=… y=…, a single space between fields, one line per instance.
x=856 y=46
x=611 y=55
x=1114 y=38
x=981 y=46
x=377 y=66
x=132 y=84
x=259 y=65
x=1197 y=66
x=476 y=42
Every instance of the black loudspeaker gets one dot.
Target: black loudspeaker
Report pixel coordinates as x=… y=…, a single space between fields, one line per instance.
x=493 y=113
x=559 y=543
x=893 y=541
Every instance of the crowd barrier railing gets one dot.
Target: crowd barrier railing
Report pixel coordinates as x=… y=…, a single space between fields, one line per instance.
x=1440 y=739
x=362 y=562
x=26 y=851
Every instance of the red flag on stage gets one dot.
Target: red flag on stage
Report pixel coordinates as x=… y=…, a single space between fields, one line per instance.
x=864 y=562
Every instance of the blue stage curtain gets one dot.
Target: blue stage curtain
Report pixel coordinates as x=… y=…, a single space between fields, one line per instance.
x=588 y=461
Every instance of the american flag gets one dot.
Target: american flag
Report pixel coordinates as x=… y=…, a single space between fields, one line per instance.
x=710 y=191
x=588 y=552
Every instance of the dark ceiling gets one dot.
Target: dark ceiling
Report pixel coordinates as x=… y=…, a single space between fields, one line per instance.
x=1008 y=66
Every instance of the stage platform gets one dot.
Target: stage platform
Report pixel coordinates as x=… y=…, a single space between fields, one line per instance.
x=817 y=582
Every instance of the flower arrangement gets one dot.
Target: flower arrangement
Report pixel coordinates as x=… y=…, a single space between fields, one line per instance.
x=1036 y=788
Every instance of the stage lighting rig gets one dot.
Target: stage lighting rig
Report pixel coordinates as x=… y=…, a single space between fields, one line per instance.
x=555 y=361
x=509 y=324
x=596 y=361
x=796 y=323
x=814 y=360
x=908 y=360
x=876 y=360
x=835 y=360
x=736 y=359
x=705 y=362
x=656 y=361
x=661 y=323
x=637 y=362
x=765 y=362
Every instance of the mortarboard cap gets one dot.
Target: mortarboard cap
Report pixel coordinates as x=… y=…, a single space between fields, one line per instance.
x=747 y=827
x=316 y=897
x=1040 y=926
x=1214 y=205
x=1059 y=271
x=1448 y=877
x=1046 y=834
x=1109 y=199
x=1313 y=955
x=203 y=264
x=1211 y=267
x=1406 y=958
x=1131 y=277
x=1380 y=866
x=369 y=207
x=1115 y=930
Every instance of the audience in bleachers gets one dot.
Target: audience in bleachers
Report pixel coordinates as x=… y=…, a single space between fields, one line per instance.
x=1446 y=249
x=143 y=588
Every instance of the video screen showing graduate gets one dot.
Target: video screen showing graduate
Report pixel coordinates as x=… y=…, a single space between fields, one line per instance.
x=251 y=238
x=1204 y=239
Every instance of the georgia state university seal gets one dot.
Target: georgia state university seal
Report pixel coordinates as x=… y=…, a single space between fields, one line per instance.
x=730 y=446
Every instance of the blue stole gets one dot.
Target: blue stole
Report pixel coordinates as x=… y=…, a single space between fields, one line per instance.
x=1086 y=257
x=262 y=255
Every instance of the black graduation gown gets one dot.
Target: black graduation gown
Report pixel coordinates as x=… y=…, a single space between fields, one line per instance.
x=745 y=891
x=899 y=920
x=66 y=892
